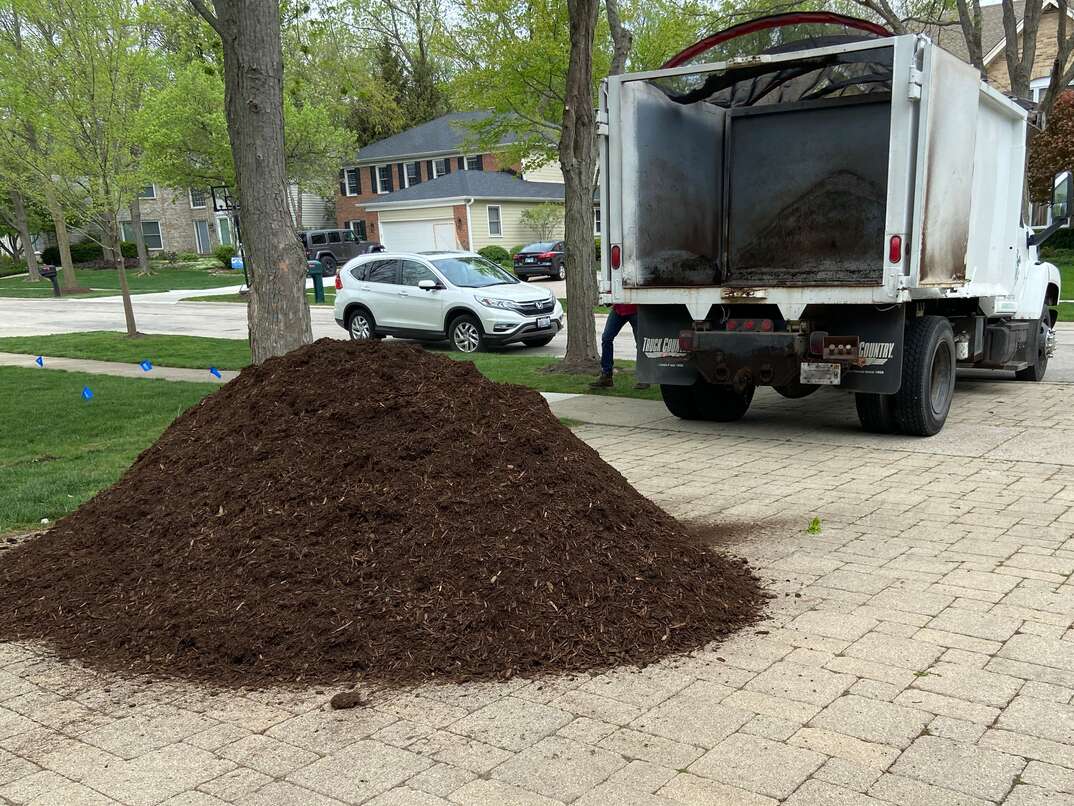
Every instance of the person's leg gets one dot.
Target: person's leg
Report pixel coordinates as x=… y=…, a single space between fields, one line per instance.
x=637 y=343
x=612 y=327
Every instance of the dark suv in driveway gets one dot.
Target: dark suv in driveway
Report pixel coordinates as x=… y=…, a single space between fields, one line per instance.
x=334 y=247
x=545 y=258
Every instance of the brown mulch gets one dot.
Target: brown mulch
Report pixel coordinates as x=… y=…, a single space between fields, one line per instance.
x=374 y=512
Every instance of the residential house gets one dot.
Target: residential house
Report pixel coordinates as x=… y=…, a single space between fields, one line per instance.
x=184 y=220
x=424 y=189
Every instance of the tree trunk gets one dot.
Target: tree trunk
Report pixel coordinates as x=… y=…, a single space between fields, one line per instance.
x=111 y=229
x=139 y=236
x=577 y=159
x=278 y=314
x=622 y=39
x=298 y=207
x=59 y=220
x=23 y=226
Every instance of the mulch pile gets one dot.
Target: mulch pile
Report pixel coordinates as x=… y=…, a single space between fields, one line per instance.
x=374 y=512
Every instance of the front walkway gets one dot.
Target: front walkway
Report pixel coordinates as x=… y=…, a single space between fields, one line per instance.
x=918 y=650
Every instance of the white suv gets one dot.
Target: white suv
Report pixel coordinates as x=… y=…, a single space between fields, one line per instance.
x=458 y=296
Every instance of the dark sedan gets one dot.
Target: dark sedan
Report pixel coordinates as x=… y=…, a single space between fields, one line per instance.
x=545 y=259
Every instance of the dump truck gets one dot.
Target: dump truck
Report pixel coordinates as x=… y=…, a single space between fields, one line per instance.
x=822 y=209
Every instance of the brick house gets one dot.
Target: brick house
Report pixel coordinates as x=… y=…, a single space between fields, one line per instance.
x=423 y=189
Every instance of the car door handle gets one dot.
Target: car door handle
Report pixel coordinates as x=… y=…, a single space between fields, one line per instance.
x=404 y=293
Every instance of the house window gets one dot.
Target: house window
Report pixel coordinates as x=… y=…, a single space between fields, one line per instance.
x=473 y=163
x=353 y=181
x=150 y=233
x=358 y=228
x=596 y=220
x=440 y=167
x=495 y=229
x=197 y=199
x=148 y=192
x=384 y=179
x=413 y=174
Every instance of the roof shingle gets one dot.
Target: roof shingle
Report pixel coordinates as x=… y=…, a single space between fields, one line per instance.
x=477 y=184
x=447 y=134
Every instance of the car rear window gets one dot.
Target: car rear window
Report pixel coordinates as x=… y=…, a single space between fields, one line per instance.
x=538 y=247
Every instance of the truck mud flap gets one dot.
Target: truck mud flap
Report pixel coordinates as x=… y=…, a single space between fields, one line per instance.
x=879 y=370
x=659 y=358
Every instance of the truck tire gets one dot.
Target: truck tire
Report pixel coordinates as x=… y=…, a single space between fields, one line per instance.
x=1035 y=372
x=706 y=401
x=928 y=376
x=796 y=389
x=876 y=413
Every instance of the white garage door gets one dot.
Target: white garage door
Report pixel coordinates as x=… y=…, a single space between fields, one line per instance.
x=418 y=236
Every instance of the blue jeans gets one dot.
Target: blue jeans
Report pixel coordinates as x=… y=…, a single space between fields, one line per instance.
x=607 y=339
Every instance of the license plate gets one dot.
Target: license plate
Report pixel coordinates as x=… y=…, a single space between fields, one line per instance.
x=543 y=322
x=531 y=260
x=826 y=374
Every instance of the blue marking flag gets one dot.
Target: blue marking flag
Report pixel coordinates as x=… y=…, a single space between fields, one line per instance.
x=145 y=365
x=215 y=372
x=40 y=361
x=87 y=393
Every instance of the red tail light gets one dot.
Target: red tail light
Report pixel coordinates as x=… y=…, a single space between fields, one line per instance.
x=546 y=255
x=339 y=282
x=895 y=249
x=752 y=325
x=617 y=256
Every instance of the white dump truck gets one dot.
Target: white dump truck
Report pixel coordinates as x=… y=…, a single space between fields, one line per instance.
x=841 y=210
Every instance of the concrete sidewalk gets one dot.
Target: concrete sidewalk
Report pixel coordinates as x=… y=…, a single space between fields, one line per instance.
x=116 y=368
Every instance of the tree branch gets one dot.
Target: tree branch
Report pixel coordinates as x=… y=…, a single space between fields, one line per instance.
x=208 y=16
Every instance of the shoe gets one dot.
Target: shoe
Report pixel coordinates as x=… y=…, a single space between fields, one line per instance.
x=640 y=386
x=603 y=382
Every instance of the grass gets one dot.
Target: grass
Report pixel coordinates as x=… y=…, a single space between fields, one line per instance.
x=105 y=282
x=596 y=308
x=58 y=450
x=199 y=352
x=1064 y=261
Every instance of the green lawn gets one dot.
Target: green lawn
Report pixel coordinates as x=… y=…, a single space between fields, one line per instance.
x=1064 y=261
x=596 y=308
x=509 y=366
x=57 y=450
x=105 y=282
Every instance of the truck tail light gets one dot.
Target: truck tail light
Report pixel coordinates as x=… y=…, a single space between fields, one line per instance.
x=895 y=249
x=339 y=281
x=752 y=325
x=686 y=340
x=617 y=256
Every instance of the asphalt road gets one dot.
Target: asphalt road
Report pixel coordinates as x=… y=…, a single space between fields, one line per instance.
x=21 y=317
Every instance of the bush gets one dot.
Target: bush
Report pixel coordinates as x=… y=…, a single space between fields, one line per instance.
x=1064 y=239
x=51 y=256
x=596 y=245
x=186 y=257
x=516 y=249
x=497 y=254
x=86 y=251
x=128 y=249
x=10 y=267
x=224 y=253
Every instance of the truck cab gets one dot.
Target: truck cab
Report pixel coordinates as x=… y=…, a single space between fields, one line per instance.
x=822 y=204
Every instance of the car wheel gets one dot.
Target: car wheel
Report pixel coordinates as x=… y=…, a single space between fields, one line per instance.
x=361 y=325
x=329 y=264
x=1035 y=372
x=562 y=273
x=928 y=377
x=465 y=334
x=539 y=341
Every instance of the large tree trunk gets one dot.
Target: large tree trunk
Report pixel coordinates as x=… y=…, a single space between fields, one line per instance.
x=59 y=220
x=139 y=236
x=111 y=234
x=278 y=314
x=577 y=159
x=23 y=226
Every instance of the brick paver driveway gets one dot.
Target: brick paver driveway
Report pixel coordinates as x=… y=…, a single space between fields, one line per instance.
x=916 y=651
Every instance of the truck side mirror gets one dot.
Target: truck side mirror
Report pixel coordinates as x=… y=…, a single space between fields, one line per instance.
x=1061 y=192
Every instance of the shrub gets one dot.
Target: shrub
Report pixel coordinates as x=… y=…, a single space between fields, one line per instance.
x=128 y=249
x=1064 y=239
x=51 y=256
x=596 y=246
x=223 y=254
x=497 y=254
x=516 y=249
x=186 y=257
x=86 y=251
x=10 y=267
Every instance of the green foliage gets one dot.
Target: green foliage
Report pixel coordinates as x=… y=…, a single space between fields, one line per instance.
x=545 y=220
x=50 y=255
x=497 y=254
x=596 y=246
x=128 y=249
x=224 y=253
x=814 y=527
x=9 y=268
x=188 y=256
x=516 y=249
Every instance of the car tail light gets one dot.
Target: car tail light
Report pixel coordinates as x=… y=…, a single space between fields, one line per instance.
x=751 y=325
x=617 y=257
x=339 y=281
x=895 y=249
x=546 y=255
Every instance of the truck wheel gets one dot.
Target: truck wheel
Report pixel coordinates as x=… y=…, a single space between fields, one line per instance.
x=928 y=376
x=720 y=402
x=680 y=401
x=796 y=389
x=876 y=413
x=1035 y=372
